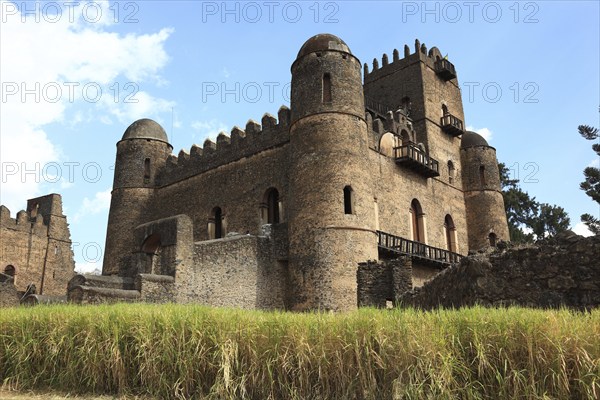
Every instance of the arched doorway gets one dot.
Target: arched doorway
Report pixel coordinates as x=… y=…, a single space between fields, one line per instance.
x=216 y=226
x=152 y=248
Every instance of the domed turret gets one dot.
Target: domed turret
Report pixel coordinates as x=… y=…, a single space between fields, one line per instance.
x=472 y=139
x=326 y=77
x=141 y=153
x=331 y=201
x=145 y=129
x=486 y=218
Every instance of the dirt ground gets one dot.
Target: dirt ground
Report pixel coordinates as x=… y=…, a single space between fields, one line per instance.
x=9 y=395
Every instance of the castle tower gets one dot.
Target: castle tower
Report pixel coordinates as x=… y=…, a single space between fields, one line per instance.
x=141 y=152
x=486 y=218
x=331 y=214
x=424 y=83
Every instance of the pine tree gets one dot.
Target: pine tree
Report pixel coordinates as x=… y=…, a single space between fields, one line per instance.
x=591 y=185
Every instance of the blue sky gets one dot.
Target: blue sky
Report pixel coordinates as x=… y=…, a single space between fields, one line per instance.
x=75 y=75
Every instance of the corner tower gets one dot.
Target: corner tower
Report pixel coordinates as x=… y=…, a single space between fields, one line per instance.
x=486 y=218
x=142 y=151
x=331 y=214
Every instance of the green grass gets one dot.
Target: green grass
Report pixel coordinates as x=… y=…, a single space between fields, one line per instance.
x=182 y=352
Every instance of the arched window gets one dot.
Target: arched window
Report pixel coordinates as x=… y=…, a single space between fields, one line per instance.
x=34 y=210
x=216 y=229
x=482 y=175
x=326 y=88
x=348 y=200
x=272 y=206
x=417 y=221
x=146 y=170
x=450 y=172
x=493 y=239
x=450 y=230
x=8 y=275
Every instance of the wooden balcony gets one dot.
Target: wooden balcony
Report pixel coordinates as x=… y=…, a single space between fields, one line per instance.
x=445 y=69
x=392 y=245
x=412 y=157
x=452 y=125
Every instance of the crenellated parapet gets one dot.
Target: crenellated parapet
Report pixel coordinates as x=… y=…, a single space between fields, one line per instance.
x=255 y=138
x=420 y=54
x=23 y=222
x=395 y=122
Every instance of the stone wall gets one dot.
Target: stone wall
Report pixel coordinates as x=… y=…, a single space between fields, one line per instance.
x=380 y=283
x=564 y=271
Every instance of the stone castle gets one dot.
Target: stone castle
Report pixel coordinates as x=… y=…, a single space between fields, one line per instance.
x=35 y=249
x=279 y=215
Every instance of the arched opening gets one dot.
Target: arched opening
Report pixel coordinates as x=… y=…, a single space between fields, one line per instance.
x=405 y=137
x=417 y=221
x=151 y=247
x=146 y=170
x=450 y=172
x=482 y=175
x=493 y=239
x=444 y=110
x=34 y=210
x=450 y=230
x=216 y=229
x=348 y=200
x=326 y=88
x=8 y=275
x=272 y=201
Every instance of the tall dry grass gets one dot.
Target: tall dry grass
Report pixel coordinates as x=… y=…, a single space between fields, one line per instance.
x=183 y=352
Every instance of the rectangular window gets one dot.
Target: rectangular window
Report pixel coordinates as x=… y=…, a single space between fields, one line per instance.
x=327 y=88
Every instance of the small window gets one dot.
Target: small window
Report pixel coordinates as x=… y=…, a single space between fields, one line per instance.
x=348 y=206
x=450 y=172
x=273 y=206
x=216 y=230
x=482 y=175
x=493 y=239
x=327 y=88
x=146 y=170
x=444 y=109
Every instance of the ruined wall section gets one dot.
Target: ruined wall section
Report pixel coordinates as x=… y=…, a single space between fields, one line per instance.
x=37 y=244
x=381 y=283
x=237 y=271
x=564 y=271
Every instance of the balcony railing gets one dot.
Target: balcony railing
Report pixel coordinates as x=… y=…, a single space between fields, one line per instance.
x=397 y=245
x=452 y=125
x=411 y=156
x=445 y=69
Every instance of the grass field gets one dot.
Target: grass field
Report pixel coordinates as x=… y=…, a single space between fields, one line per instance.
x=182 y=352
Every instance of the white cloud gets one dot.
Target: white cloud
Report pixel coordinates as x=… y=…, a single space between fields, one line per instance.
x=581 y=228
x=54 y=57
x=208 y=129
x=99 y=203
x=484 y=132
x=595 y=163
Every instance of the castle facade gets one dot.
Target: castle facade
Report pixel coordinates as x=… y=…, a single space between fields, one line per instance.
x=366 y=164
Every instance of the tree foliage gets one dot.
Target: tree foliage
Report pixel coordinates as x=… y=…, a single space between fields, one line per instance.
x=591 y=184
x=528 y=219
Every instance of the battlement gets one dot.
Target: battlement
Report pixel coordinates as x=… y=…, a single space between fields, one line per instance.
x=239 y=144
x=24 y=222
x=420 y=55
x=394 y=122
